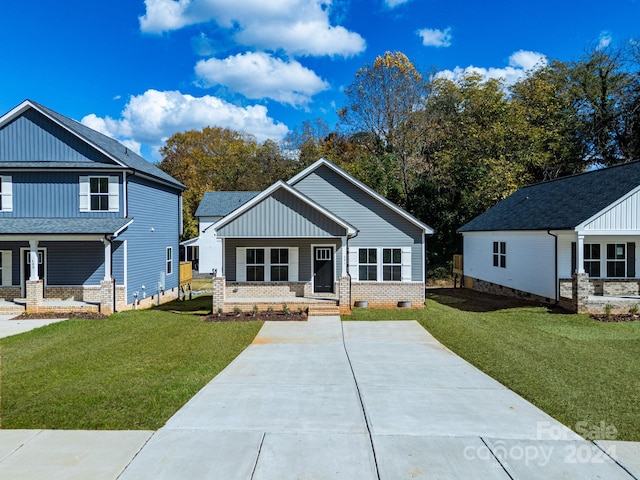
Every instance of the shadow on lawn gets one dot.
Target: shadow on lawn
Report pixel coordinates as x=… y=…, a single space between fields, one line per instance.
x=473 y=301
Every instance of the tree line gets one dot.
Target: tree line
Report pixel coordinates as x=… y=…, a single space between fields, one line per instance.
x=445 y=149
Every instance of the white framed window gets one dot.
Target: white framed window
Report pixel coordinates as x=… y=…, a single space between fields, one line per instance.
x=6 y=193
x=323 y=253
x=500 y=254
x=99 y=194
x=368 y=264
x=169 y=269
x=255 y=264
x=391 y=264
x=279 y=264
x=6 y=268
x=592 y=259
x=616 y=260
x=266 y=264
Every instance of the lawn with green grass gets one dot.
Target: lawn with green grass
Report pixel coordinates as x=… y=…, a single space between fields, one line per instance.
x=574 y=368
x=132 y=370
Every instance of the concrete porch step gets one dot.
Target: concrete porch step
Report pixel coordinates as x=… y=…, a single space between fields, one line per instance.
x=322 y=310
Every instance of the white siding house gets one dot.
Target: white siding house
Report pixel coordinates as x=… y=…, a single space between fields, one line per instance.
x=571 y=241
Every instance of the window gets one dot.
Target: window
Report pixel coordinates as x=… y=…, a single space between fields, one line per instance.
x=391 y=264
x=169 y=260
x=99 y=193
x=255 y=264
x=368 y=264
x=279 y=264
x=500 y=254
x=6 y=195
x=592 y=259
x=616 y=260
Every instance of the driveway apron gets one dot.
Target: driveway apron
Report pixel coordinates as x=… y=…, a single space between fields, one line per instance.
x=361 y=400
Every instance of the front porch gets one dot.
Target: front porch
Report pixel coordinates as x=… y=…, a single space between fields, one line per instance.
x=18 y=306
x=583 y=294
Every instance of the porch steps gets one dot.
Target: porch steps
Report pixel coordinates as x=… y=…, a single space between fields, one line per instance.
x=9 y=308
x=323 y=310
x=313 y=306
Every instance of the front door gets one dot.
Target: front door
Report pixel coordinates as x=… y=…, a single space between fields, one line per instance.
x=27 y=267
x=323 y=269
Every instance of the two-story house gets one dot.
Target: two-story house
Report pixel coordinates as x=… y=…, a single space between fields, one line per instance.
x=82 y=217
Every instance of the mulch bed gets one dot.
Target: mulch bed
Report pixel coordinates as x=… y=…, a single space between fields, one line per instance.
x=262 y=316
x=619 y=317
x=48 y=315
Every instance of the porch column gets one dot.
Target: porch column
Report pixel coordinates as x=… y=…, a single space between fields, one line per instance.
x=344 y=256
x=33 y=261
x=580 y=255
x=219 y=284
x=107 y=259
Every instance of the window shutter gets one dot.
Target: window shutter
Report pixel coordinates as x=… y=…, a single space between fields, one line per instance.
x=631 y=259
x=84 y=193
x=406 y=264
x=114 y=198
x=293 y=264
x=241 y=264
x=7 y=279
x=353 y=263
x=7 y=194
x=573 y=258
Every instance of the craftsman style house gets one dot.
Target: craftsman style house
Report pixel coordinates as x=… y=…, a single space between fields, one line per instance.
x=321 y=234
x=83 y=219
x=570 y=241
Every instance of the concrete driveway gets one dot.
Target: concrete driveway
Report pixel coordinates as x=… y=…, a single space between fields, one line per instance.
x=364 y=400
x=9 y=327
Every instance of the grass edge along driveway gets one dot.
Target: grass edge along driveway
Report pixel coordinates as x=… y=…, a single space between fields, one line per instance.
x=132 y=370
x=582 y=372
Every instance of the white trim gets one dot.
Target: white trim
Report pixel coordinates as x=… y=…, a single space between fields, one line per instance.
x=333 y=259
x=121 y=229
x=273 y=188
x=427 y=229
x=6 y=191
x=53 y=237
x=125 y=268
x=6 y=280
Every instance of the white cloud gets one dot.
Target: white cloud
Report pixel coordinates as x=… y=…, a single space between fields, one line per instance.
x=604 y=40
x=154 y=116
x=259 y=75
x=519 y=63
x=395 y=3
x=299 y=27
x=432 y=37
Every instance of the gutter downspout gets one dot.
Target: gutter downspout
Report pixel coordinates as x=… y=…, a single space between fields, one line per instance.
x=349 y=273
x=556 y=279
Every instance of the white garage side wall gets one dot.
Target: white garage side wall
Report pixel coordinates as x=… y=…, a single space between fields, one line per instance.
x=530 y=260
x=210 y=247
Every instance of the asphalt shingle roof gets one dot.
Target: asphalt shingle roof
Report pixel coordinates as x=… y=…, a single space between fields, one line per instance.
x=220 y=204
x=559 y=204
x=100 y=226
x=112 y=147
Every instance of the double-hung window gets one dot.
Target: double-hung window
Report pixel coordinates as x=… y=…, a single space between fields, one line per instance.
x=616 y=260
x=6 y=193
x=99 y=194
x=391 y=264
x=279 y=264
x=500 y=254
x=368 y=264
x=255 y=264
x=592 y=259
x=169 y=260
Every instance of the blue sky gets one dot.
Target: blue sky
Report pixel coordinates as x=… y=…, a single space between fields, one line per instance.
x=142 y=70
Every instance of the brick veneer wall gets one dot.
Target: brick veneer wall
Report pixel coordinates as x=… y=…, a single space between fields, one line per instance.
x=265 y=289
x=9 y=293
x=388 y=294
x=495 y=289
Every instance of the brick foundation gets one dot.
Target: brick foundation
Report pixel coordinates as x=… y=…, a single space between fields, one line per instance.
x=388 y=294
x=219 y=293
x=495 y=289
x=35 y=294
x=9 y=293
x=344 y=294
x=265 y=289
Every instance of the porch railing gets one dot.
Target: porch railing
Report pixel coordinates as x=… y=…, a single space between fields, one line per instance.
x=186 y=277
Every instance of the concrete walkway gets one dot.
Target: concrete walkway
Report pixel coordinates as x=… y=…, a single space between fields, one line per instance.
x=365 y=400
x=325 y=399
x=10 y=327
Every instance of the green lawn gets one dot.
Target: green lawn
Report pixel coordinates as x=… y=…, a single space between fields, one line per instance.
x=574 y=368
x=132 y=370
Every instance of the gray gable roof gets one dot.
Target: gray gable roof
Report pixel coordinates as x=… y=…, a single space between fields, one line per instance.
x=560 y=204
x=112 y=147
x=100 y=226
x=220 y=204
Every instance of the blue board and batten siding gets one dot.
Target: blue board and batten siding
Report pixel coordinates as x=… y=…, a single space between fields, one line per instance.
x=282 y=215
x=34 y=138
x=156 y=227
x=55 y=194
x=377 y=224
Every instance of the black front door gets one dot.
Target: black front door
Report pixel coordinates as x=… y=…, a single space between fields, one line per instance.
x=323 y=269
